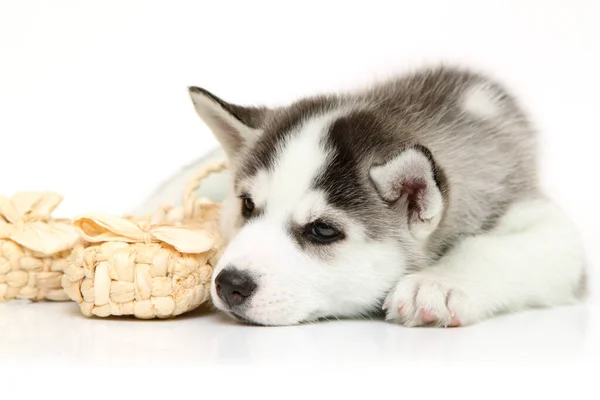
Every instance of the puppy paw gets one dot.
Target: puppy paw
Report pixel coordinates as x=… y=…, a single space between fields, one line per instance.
x=426 y=300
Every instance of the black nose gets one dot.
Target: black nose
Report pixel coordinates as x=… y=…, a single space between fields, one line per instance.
x=233 y=286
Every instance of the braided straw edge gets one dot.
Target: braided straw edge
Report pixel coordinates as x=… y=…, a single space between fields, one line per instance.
x=191 y=205
x=190 y=198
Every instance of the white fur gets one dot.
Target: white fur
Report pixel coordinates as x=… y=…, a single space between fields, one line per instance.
x=481 y=101
x=533 y=258
x=314 y=206
x=299 y=162
x=260 y=188
x=293 y=286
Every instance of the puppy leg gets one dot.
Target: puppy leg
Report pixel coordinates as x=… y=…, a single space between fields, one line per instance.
x=533 y=258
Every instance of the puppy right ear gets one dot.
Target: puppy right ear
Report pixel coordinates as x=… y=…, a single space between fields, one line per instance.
x=413 y=182
x=233 y=126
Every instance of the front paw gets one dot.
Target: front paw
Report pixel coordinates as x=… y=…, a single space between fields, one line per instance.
x=427 y=300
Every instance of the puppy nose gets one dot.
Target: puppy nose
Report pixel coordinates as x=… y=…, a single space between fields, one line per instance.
x=233 y=286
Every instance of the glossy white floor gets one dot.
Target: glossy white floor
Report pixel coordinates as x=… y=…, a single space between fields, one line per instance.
x=49 y=331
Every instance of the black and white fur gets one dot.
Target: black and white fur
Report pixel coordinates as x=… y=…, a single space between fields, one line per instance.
x=429 y=179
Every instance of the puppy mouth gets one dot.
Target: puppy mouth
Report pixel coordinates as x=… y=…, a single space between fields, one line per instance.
x=236 y=315
x=239 y=317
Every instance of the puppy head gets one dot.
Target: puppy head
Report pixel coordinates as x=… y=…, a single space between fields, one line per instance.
x=322 y=217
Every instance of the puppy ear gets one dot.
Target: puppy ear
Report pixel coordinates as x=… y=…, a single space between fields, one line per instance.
x=412 y=183
x=233 y=126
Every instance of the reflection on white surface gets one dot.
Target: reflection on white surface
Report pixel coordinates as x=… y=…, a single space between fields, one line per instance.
x=46 y=331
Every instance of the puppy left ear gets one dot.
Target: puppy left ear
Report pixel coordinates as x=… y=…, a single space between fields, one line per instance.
x=412 y=182
x=234 y=126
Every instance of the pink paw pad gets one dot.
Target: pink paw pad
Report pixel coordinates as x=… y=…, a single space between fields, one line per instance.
x=427 y=316
x=401 y=310
x=455 y=321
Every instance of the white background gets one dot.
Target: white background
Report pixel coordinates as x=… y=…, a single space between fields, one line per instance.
x=93 y=104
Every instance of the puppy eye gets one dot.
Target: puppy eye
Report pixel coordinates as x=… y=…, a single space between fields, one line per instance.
x=323 y=233
x=247 y=206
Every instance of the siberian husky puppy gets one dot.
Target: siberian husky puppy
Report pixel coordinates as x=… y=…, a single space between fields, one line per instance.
x=418 y=197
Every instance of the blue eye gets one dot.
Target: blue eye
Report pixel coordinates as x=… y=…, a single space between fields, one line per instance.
x=321 y=232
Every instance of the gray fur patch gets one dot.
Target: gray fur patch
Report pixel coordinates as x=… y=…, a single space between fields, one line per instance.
x=484 y=160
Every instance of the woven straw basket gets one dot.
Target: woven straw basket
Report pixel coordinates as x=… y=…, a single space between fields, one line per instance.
x=156 y=266
x=33 y=247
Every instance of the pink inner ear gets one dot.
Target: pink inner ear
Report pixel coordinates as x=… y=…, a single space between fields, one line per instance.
x=414 y=190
